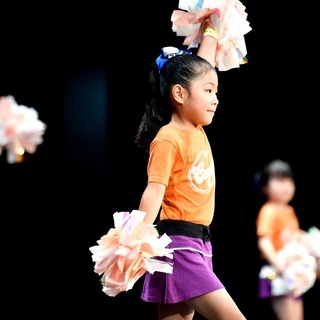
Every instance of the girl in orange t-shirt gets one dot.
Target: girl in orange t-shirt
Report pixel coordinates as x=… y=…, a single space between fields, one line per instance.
x=283 y=245
x=180 y=191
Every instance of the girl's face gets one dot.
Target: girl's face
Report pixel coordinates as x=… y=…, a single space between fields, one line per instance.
x=280 y=190
x=200 y=104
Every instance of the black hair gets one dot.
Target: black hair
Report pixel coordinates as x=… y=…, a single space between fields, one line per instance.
x=276 y=168
x=181 y=69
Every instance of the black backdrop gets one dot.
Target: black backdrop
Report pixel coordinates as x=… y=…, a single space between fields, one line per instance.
x=83 y=68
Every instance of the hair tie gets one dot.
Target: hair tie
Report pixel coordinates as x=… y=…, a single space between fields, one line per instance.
x=167 y=53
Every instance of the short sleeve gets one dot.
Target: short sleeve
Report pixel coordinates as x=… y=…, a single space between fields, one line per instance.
x=161 y=161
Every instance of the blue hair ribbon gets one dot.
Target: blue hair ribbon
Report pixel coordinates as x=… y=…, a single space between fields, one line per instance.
x=167 y=53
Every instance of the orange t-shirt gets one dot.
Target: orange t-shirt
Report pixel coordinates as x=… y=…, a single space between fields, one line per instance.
x=182 y=160
x=278 y=222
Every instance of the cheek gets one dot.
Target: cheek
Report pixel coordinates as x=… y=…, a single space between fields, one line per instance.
x=273 y=191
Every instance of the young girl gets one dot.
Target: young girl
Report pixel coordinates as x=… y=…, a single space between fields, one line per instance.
x=181 y=183
x=283 y=245
x=180 y=193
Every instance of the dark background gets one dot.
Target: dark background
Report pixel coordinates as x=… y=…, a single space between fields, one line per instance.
x=84 y=68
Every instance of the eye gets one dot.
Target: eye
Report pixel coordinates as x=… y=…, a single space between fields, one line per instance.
x=211 y=91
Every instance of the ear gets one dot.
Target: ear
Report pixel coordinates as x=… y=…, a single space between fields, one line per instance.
x=178 y=93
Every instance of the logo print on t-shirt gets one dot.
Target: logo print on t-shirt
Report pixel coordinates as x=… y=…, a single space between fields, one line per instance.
x=201 y=173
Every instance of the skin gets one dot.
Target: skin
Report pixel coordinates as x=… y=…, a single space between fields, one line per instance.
x=192 y=108
x=280 y=191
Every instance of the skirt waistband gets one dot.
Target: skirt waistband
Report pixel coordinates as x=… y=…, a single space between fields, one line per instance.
x=183 y=228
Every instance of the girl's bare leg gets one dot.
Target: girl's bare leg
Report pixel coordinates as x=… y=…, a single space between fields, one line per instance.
x=216 y=305
x=176 y=311
x=288 y=308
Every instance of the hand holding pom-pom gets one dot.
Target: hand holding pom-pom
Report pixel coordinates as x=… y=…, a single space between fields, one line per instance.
x=227 y=18
x=127 y=251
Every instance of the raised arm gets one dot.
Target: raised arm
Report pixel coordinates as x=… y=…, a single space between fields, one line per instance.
x=208 y=45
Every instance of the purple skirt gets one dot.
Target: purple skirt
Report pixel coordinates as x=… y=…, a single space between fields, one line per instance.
x=192 y=274
x=264 y=288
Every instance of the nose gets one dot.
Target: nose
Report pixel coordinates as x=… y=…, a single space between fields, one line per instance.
x=215 y=100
